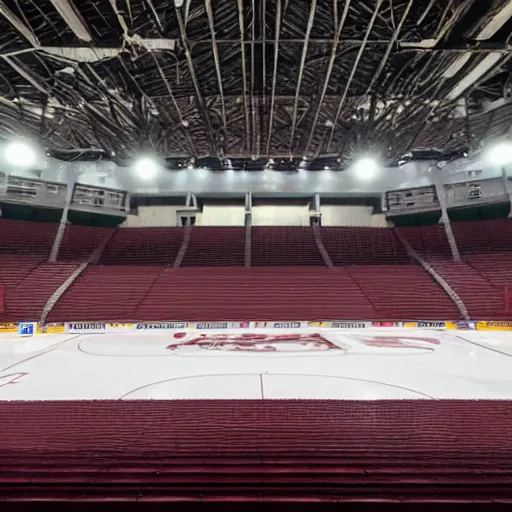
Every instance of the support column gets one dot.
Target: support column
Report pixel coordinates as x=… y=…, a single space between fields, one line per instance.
x=54 y=254
x=315 y=216
x=441 y=195
x=190 y=204
x=248 y=224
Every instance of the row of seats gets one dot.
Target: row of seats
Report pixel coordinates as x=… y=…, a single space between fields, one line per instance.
x=471 y=237
x=207 y=246
x=219 y=452
x=482 y=299
x=260 y=293
x=271 y=246
x=135 y=292
x=28 y=283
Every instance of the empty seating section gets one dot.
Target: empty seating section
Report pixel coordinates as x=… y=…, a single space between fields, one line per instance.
x=472 y=238
x=482 y=299
x=215 y=246
x=32 y=293
x=259 y=293
x=13 y=269
x=80 y=242
x=430 y=242
x=143 y=246
x=373 y=277
x=403 y=292
x=106 y=293
x=363 y=246
x=274 y=246
x=483 y=236
x=496 y=267
x=27 y=238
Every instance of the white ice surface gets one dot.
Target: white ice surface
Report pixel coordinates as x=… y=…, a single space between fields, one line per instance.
x=452 y=364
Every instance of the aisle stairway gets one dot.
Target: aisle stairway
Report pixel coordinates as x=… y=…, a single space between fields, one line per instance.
x=363 y=246
x=143 y=246
x=105 y=293
x=483 y=300
x=27 y=300
x=79 y=242
x=430 y=242
x=391 y=288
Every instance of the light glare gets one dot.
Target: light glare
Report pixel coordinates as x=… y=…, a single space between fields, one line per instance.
x=146 y=167
x=365 y=168
x=20 y=154
x=500 y=154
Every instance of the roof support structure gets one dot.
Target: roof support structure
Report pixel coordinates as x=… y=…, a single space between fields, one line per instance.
x=392 y=42
x=334 y=50
x=240 y=5
x=211 y=23
x=18 y=24
x=73 y=19
x=301 y=70
x=254 y=138
x=27 y=76
x=274 y=75
x=353 y=72
x=199 y=95
x=193 y=149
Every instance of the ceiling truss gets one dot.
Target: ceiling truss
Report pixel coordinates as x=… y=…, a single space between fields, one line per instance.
x=261 y=79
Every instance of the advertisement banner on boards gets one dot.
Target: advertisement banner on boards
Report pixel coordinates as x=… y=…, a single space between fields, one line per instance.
x=387 y=324
x=466 y=325
x=52 y=328
x=121 y=327
x=160 y=326
x=288 y=325
x=350 y=325
x=494 y=325
x=212 y=325
x=86 y=328
x=424 y=324
x=8 y=328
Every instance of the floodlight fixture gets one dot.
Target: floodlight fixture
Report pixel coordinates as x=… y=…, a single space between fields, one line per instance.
x=20 y=154
x=146 y=167
x=365 y=168
x=500 y=154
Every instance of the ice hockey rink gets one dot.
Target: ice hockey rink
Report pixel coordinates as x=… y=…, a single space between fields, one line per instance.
x=315 y=363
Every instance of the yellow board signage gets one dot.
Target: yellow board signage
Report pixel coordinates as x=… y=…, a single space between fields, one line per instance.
x=495 y=325
x=121 y=326
x=53 y=328
x=8 y=328
x=319 y=324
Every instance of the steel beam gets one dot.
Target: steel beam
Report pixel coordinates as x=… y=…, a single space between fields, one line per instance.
x=73 y=19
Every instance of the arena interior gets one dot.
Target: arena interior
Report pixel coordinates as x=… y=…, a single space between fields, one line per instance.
x=255 y=253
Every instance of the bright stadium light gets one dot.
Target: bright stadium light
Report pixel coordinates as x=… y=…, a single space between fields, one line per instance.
x=20 y=154
x=146 y=167
x=365 y=168
x=500 y=154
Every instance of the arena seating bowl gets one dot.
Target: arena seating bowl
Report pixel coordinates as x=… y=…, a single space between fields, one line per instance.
x=162 y=274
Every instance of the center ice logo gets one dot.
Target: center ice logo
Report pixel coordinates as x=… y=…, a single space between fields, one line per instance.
x=254 y=342
x=296 y=342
